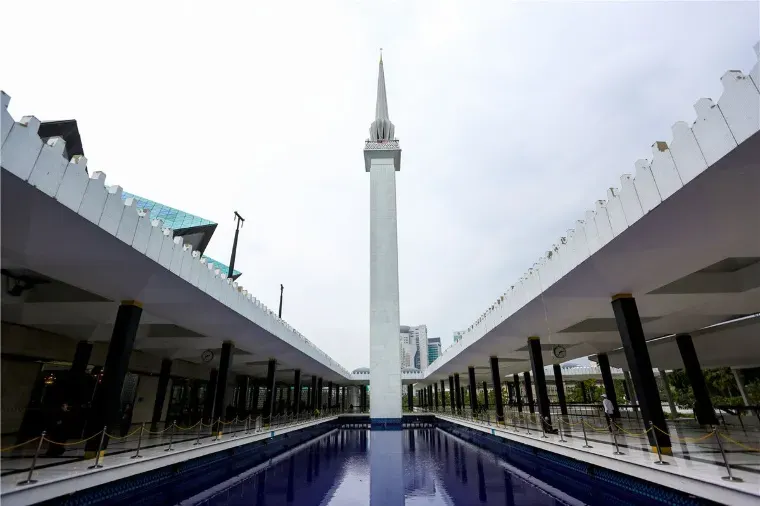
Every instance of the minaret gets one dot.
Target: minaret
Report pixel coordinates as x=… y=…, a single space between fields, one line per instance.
x=382 y=158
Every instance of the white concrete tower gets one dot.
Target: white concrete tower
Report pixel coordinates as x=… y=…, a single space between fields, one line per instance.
x=382 y=158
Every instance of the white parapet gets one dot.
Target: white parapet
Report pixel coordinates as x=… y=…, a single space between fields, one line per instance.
x=43 y=165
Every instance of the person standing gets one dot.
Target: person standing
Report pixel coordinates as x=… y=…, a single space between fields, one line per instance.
x=126 y=420
x=58 y=433
x=609 y=411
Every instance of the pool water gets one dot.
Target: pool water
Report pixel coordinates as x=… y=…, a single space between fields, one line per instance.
x=383 y=468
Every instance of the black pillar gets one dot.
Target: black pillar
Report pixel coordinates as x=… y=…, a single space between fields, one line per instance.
x=270 y=389
x=518 y=394
x=106 y=405
x=461 y=394
x=329 y=394
x=485 y=395
x=288 y=399
x=363 y=395
x=443 y=394
x=242 y=397
x=458 y=388
x=297 y=391
x=255 y=398
x=529 y=392
x=435 y=396
x=81 y=358
x=343 y=398
x=609 y=384
x=163 y=383
x=560 y=389
x=452 y=394
x=537 y=363
x=637 y=356
x=410 y=397
x=430 y=396
x=78 y=388
x=208 y=401
x=584 y=394
x=497 y=394
x=473 y=387
x=225 y=361
x=703 y=408
x=510 y=392
x=313 y=396
x=319 y=394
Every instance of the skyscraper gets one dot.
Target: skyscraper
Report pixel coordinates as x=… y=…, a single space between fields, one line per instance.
x=434 y=349
x=382 y=158
x=414 y=346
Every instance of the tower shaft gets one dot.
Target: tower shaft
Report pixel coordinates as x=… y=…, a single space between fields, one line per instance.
x=385 y=351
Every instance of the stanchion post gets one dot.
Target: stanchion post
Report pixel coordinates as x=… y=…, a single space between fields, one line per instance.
x=29 y=480
x=657 y=446
x=614 y=439
x=200 y=427
x=139 y=442
x=527 y=427
x=585 y=439
x=561 y=438
x=97 y=465
x=730 y=476
x=543 y=428
x=171 y=436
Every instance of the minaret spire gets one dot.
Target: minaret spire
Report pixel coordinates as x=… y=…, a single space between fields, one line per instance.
x=381 y=129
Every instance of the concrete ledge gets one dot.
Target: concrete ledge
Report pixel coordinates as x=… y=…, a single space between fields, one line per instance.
x=667 y=476
x=69 y=478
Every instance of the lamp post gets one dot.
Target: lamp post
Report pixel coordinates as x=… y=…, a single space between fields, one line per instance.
x=238 y=225
x=279 y=313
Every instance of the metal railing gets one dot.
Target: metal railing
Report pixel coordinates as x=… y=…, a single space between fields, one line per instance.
x=141 y=439
x=523 y=423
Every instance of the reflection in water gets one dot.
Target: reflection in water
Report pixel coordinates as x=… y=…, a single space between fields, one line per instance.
x=380 y=468
x=386 y=464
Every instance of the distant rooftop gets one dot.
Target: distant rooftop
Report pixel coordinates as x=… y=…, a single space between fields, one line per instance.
x=193 y=229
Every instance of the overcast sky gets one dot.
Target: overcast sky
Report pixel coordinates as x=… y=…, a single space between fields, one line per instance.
x=513 y=118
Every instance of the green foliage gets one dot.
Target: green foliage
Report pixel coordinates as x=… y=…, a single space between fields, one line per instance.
x=721 y=385
x=753 y=392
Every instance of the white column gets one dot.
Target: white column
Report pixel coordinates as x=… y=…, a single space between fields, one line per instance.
x=668 y=393
x=740 y=385
x=385 y=353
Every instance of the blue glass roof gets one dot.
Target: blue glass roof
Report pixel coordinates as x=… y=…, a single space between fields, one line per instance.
x=176 y=220
x=173 y=218
x=222 y=267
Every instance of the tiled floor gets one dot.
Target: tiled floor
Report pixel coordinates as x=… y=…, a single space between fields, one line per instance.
x=694 y=454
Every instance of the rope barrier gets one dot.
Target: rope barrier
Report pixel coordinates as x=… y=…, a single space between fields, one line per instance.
x=160 y=431
x=188 y=428
x=737 y=443
x=9 y=448
x=75 y=442
x=119 y=438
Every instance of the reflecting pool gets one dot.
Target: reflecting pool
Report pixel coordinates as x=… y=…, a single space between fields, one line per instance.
x=383 y=468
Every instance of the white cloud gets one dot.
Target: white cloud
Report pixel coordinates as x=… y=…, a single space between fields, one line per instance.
x=514 y=118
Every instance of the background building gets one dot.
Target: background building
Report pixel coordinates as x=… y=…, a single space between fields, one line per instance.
x=434 y=349
x=408 y=348
x=414 y=346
